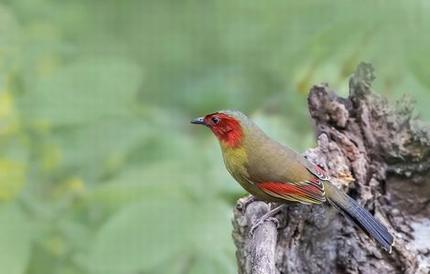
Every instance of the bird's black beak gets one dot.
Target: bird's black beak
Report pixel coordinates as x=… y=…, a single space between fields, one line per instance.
x=199 y=121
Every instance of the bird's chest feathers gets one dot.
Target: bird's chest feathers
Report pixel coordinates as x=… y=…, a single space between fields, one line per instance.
x=235 y=160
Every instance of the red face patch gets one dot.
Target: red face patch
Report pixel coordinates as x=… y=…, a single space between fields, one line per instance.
x=226 y=128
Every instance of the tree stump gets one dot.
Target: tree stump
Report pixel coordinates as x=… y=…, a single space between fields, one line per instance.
x=378 y=153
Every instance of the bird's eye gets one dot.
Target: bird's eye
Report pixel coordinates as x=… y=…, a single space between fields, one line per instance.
x=215 y=120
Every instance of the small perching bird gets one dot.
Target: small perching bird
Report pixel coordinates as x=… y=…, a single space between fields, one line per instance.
x=275 y=173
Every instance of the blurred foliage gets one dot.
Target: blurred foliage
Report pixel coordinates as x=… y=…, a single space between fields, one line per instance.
x=100 y=171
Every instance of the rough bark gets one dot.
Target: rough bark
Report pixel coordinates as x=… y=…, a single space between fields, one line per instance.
x=377 y=152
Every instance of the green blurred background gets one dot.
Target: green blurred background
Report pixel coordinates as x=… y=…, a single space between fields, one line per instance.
x=100 y=170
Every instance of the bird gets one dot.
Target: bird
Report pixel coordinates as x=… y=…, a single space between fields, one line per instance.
x=273 y=172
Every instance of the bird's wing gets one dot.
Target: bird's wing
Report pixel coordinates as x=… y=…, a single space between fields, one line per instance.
x=284 y=174
x=305 y=192
x=315 y=170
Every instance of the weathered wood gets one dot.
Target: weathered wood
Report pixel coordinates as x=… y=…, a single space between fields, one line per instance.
x=377 y=152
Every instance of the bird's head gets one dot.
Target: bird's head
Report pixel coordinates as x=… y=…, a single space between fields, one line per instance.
x=227 y=125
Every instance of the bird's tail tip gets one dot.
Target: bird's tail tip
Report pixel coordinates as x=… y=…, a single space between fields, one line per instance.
x=363 y=219
x=390 y=248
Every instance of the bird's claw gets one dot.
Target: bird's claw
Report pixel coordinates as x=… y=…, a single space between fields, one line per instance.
x=260 y=222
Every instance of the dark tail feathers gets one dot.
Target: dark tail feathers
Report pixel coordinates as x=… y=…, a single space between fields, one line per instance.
x=360 y=216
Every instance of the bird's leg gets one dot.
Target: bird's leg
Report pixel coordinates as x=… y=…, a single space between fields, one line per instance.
x=244 y=202
x=268 y=216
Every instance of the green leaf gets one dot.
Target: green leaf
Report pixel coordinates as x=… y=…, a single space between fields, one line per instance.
x=100 y=148
x=140 y=183
x=12 y=179
x=14 y=240
x=148 y=234
x=217 y=263
x=84 y=91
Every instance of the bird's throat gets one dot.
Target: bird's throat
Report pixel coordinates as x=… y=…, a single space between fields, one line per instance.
x=232 y=139
x=230 y=135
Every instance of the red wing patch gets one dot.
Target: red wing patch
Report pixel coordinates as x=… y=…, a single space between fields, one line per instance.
x=306 y=192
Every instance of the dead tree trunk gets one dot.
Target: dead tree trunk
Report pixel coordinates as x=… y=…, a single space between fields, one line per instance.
x=380 y=155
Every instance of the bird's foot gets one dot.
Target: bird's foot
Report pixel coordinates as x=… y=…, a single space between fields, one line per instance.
x=260 y=222
x=244 y=202
x=267 y=217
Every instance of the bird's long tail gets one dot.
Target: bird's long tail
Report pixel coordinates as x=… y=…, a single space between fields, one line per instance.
x=360 y=216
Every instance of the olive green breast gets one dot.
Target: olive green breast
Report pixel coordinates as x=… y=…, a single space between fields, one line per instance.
x=236 y=163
